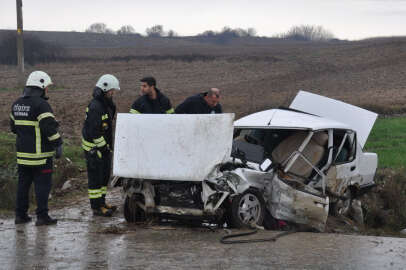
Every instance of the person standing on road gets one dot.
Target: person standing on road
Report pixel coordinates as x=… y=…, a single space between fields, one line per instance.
x=33 y=121
x=152 y=99
x=203 y=103
x=97 y=141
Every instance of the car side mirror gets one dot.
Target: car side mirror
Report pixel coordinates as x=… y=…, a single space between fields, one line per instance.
x=265 y=165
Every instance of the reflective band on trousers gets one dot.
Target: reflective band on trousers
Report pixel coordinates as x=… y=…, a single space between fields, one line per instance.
x=134 y=111
x=100 y=142
x=34 y=155
x=87 y=146
x=171 y=110
x=31 y=162
x=104 y=190
x=94 y=193
x=105 y=116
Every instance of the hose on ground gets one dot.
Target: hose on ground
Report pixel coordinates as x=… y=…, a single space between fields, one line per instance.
x=224 y=239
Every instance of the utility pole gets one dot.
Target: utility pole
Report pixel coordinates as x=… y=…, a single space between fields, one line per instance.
x=20 y=44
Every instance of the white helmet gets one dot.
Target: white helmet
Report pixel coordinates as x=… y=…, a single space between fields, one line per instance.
x=108 y=82
x=39 y=79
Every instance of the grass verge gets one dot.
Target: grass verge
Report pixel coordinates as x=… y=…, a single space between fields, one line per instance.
x=388 y=140
x=69 y=166
x=384 y=211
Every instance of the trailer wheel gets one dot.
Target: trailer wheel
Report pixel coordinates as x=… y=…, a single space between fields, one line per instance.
x=132 y=212
x=246 y=209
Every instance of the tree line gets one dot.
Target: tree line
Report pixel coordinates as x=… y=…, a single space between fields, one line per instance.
x=38 y=51
x=300 y=32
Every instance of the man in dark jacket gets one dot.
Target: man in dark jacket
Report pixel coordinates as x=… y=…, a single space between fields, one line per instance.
x=202 y=103
x=33 y=121
x=97 y=142
x=152 y=99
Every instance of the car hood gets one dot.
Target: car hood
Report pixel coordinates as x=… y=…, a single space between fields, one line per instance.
x=181 y=147
x=358 y=119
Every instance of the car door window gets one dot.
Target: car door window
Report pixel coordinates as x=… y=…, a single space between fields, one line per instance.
x=344 y=146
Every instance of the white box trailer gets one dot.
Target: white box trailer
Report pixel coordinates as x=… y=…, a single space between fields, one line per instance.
x=207 y=167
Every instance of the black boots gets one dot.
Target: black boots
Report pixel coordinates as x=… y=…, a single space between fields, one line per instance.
x=45 y=220
x=22 y=219
x=103 y=211
x=111 y=207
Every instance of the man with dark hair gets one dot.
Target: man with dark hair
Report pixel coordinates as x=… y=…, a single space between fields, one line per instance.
x=33 y=121
x=202 y=103
x=152 y=99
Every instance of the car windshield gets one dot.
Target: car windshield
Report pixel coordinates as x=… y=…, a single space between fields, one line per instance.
x=255 y=145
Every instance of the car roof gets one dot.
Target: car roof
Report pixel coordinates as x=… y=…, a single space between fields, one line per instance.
x=287 y=119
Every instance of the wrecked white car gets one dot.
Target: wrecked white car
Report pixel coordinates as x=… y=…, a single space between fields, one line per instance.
x=286 y=164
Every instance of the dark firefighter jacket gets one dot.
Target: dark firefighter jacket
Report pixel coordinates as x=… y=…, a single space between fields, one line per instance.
x=33 y=121
x=97 y=132
x=146 y=105
x=197 y=105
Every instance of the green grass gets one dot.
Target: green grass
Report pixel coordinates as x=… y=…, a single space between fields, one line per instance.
x=8 y=168
x=388 y=140
x=71 y=150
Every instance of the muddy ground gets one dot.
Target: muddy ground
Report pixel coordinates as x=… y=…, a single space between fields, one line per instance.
x=81 y=241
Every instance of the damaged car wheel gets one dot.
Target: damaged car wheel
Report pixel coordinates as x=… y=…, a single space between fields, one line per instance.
x=132 y=212
x=246 y=209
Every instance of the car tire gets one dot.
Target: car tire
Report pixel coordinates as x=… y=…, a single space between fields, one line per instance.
x=132 y=212
x=245 y=209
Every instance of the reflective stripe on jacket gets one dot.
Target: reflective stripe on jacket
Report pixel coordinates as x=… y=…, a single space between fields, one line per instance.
x=33 y=121
x=97 y=129
x=160 y=105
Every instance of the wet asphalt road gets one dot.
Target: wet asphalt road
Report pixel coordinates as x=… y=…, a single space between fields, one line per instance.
x=81 y=241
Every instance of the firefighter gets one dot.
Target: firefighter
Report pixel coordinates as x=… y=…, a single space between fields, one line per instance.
x=33 y=121
x=207 y=102
x=152 y=99
x=97 y=141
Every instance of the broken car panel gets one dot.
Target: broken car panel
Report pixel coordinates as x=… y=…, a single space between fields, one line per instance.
x=279 y=163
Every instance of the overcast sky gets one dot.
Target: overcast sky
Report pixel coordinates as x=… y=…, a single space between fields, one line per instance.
x=346 y=19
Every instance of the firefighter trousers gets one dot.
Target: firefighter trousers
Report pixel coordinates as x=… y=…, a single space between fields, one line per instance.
x=98 y=174
x=41 y=176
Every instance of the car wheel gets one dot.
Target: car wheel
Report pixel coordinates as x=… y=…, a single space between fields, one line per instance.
x=245 y=209
x=132 y=212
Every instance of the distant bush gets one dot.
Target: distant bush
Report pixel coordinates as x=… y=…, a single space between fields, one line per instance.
x=155 y=31
x=35 y=50
x=99 y=28
x=126 y=30
x=227 y=34
x=307 y=33
x=172 y=33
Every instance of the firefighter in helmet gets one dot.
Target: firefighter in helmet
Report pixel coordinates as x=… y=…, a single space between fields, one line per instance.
x=97 y=141
x=38 y=140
